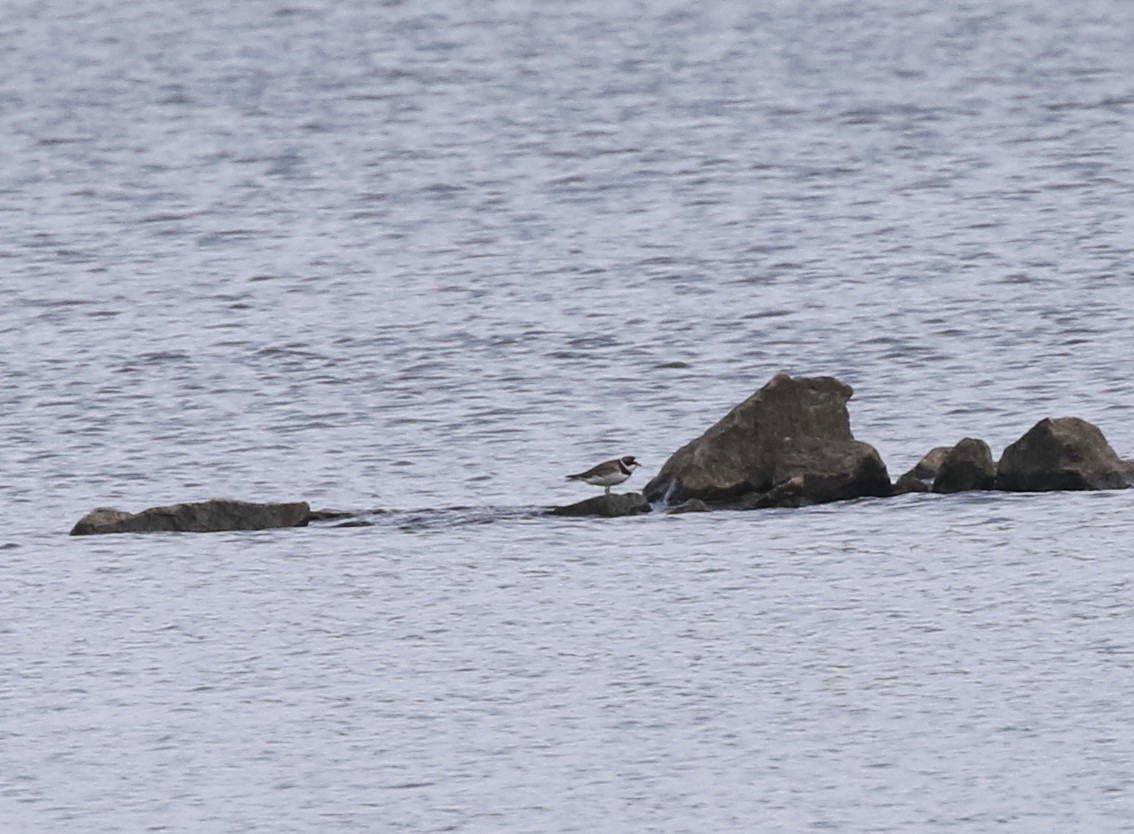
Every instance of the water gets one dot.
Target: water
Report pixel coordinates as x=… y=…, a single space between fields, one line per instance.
x=434 y=255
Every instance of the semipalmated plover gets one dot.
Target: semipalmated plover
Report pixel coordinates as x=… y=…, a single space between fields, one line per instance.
x=608 y=473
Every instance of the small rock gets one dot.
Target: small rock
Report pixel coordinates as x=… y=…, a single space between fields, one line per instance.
x=202 y=517
x=967 y=466
x=693 y=505
x=928 y=467
x=789 y=427
x=612 y=505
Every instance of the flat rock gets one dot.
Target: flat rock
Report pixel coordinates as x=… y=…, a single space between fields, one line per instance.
x=967 y=466
x=790 y=427
x=614 y=505
x=1061 y=453
x=202 y=517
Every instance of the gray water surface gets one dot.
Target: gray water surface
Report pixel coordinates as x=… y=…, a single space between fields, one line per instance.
x=425 y=256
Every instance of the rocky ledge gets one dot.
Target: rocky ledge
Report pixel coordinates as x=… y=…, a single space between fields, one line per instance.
x=788 y=445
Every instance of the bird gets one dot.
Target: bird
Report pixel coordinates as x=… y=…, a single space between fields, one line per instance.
x=608 y=473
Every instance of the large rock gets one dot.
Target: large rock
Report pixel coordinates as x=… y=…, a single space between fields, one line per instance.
x=1061 y=453
x=611 y=505
x=967 y=466
x=789 y=428
x=202 y=517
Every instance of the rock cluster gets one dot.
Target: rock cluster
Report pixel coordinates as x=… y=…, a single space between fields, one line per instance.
x=202 y=517
x=787 y=445
x=790 y=445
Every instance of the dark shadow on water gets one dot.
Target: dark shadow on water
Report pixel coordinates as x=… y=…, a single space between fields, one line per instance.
x=422 y=519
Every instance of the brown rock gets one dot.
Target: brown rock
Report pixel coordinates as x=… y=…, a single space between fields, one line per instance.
x=203 y=517
x=967 y=466
x=928 y=467
x=1062 y=453
x=920 y=478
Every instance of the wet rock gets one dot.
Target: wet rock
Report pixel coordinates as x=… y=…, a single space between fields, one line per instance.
x=790 y=427
x=909 y=483
x=967 y=466
x=1062 y=453
x=203 y=517
x=612 y=505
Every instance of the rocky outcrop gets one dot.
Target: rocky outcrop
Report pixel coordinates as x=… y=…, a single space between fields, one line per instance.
x=967 y=466
x=203 y=517
x=789 y=429
x=611 y=505
x=1062 y=453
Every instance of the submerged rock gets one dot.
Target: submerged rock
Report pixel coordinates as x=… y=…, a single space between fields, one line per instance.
x=967 y=466
x=611 y=505
x=789 y=428
x=1062 y=453
x=203 y=517
x=908 y=483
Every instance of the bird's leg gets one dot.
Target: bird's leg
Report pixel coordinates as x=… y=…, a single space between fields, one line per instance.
x=607 y=491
